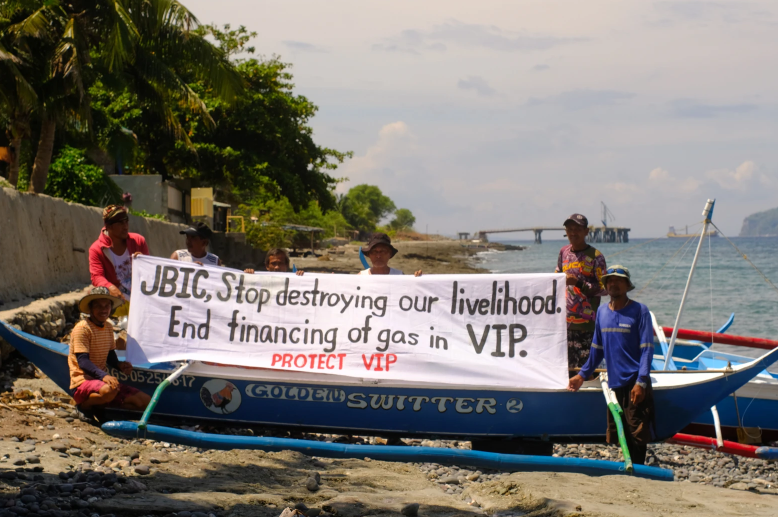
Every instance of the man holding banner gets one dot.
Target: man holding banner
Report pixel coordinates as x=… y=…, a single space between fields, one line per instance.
x=624 y=336
x=583 y=266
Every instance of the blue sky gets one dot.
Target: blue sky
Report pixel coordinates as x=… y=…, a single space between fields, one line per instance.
x=516 y=113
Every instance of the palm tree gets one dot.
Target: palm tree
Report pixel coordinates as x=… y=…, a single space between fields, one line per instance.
x=17 y=95
x=137 y=44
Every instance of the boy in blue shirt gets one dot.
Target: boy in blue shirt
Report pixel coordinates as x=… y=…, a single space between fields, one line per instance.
x=624 y=336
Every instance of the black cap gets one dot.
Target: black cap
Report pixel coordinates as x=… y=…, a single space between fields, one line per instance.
x=578 y=219
x=198 y=229
x=376 y=239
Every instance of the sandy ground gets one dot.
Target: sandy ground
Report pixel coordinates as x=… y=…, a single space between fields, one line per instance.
x=248 y=483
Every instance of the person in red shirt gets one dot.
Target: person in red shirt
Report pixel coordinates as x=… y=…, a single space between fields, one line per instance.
x=110 y=256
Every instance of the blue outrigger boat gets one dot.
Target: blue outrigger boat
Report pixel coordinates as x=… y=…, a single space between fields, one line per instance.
x=754 y=406
x=240 y=396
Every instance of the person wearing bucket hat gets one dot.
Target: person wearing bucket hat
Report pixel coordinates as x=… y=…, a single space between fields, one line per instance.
x=110 y=256
x=379 y=250
x=624 y=337
x=582 y=265
x=92 y=352
x=198 y=238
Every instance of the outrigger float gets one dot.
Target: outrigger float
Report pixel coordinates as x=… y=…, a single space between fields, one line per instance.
x=316 y=402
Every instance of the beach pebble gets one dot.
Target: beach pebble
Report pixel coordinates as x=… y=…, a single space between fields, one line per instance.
x=449 y=480
x=312 y=512
x=410 y=510
x=19 y=462
x=143 y=470
x=75 y=451
x=311 y=485
x=301 y=507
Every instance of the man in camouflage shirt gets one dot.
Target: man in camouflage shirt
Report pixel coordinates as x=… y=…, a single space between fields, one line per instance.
x=584 y=266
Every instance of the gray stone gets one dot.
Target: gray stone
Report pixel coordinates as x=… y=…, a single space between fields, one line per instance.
x=312 y=512
x=19 y=461
x=316 y=476
x=58 y=446
x=738 y=486
x=143 y=470
x=449 y=480
x=410 y=510
x=32 y=458
x=311 y=485
x=75 y=451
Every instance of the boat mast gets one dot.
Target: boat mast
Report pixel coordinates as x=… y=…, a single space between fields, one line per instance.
x=707 y=212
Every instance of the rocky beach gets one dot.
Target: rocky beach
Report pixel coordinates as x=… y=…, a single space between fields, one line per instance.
x=53 y=464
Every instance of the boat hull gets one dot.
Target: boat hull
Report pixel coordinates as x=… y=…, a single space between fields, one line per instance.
x=240 y=397
x=756 y=404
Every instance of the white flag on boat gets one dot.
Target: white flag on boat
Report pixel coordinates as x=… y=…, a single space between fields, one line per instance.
x=476 y=330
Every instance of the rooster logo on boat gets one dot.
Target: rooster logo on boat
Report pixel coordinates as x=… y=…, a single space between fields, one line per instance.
x=220 y=396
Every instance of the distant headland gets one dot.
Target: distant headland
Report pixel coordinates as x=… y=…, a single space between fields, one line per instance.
x=761 y=224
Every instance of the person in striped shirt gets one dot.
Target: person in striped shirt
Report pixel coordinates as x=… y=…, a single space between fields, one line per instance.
x=92 y=351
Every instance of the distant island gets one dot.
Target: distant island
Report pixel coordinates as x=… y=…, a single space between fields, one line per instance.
x=761 y=224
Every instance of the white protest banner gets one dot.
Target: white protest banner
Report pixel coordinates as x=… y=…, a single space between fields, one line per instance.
x=479 y=330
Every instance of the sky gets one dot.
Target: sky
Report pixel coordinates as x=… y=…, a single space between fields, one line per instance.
x=505 y=114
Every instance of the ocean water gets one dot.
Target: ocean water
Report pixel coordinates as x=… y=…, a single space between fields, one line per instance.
x=723 y=281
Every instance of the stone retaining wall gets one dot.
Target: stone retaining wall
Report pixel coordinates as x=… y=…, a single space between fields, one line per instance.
x=44 y=243
x=51 y=318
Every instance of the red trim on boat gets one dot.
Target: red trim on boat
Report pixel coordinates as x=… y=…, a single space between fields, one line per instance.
x=703 y=442
x=724 y=339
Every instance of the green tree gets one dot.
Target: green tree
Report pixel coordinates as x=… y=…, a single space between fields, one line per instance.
x=403 y=220
x=365 y=206
x=74 y=179
x=134 y=44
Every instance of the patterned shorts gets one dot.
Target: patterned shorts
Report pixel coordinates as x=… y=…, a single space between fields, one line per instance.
x=579 y=342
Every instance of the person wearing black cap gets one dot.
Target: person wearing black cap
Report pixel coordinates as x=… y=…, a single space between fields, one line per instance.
x=583 y=266
x=379 y=250
x=198 y=237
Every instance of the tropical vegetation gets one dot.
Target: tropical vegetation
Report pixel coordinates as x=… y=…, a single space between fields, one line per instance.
x=141 y=86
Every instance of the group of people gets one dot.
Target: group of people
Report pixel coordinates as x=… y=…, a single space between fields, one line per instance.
x=92 y=343
x=619 y=332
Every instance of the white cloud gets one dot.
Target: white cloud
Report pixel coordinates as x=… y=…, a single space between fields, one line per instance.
x=739 y=179
x=660 y=177
x=395 y=141
x=658 y=174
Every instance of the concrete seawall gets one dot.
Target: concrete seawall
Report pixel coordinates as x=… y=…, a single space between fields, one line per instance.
x=44 y=243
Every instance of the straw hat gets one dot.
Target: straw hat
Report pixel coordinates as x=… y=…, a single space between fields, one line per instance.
x=97 y=293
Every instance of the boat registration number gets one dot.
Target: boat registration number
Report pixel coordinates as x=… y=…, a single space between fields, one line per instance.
x=145 y=377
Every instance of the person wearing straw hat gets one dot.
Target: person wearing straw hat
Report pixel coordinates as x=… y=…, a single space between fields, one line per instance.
x=379 y=250
x=624 y=336
x=92 y=352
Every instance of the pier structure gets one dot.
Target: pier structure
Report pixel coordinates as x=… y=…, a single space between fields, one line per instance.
x=596 y=233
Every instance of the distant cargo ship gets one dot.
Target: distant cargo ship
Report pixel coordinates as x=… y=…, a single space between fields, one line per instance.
x=686 y=234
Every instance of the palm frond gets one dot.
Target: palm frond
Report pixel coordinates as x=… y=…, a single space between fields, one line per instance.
x=24 y=92
x=37 y=25
x=121 y=37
